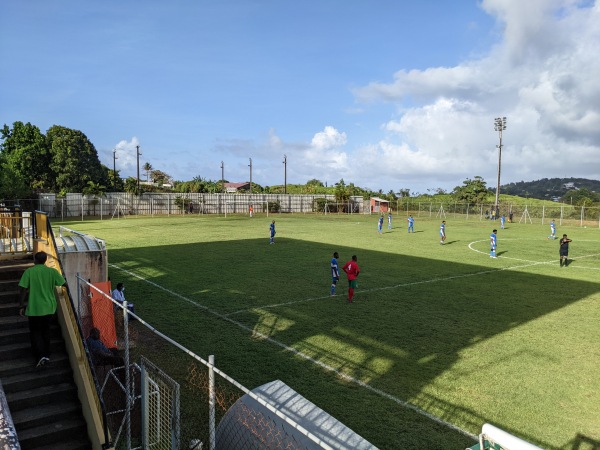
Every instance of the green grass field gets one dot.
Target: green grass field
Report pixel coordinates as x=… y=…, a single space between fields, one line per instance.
x=437 y=334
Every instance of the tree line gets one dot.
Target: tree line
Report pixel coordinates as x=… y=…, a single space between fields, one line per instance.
x=64 y=160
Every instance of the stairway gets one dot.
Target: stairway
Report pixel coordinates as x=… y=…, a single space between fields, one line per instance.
x=43 y=402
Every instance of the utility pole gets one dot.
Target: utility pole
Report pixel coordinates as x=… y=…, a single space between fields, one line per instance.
x=250 y=165
x=222 y=176
x=499 y=126
x=138 y=168
x=114 y=169
x=285 y=174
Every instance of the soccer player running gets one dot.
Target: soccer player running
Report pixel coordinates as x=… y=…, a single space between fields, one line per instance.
x=552 y=230
x=352 y=270
x=564 y=250
x=411 y=224
x=493 y=242
x=335 y=272
x=380 y=224
x=442 y=232
x=272 y=232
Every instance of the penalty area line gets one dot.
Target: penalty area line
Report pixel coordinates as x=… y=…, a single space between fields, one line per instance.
x=306 y=357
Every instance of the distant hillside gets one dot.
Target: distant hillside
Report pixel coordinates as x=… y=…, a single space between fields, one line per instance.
x=547 y=188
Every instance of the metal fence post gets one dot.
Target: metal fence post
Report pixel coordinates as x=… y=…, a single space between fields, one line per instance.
x=128 y=387
x=211 y=402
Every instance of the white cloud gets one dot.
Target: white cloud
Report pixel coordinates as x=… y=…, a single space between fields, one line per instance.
x=542 y=75
x=126 y=153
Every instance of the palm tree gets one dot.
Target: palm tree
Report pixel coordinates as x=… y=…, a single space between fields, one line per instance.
x=148 y=169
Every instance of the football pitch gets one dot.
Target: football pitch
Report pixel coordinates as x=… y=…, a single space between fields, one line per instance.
x=439 y=340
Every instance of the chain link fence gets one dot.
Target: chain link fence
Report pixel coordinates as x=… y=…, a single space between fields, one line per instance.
x=178 y=400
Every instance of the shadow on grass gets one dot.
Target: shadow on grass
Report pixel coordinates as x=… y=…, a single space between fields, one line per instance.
x=416 y=315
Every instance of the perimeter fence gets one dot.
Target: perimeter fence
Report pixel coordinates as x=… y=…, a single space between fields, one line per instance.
x=120 y=204
x=178 y=405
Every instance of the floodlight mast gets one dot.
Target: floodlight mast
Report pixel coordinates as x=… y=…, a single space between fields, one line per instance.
x=285 y=174
x=250 y=165
x=138 y=168
x=222 y=176
x=115 y=170
x=499 y=126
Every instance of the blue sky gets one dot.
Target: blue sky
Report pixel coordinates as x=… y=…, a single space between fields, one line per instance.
x=385 y=94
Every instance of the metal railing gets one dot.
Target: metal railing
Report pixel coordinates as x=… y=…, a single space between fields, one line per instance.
x=42 y=232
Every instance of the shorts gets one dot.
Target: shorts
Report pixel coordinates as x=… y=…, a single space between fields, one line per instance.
x=334 y=280
x=352 y=284
x=564 y=253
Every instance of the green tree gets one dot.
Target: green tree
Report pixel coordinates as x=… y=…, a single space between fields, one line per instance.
x=581 y=197
x=131 y=185
x=95 y=191
x=159 y=177
x=12 y=185
x=74 y=159
x=472 y=191
x=24 y=152
x=148 y=169
x=341 y=192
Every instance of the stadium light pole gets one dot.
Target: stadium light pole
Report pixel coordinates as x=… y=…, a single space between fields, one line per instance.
x=250 y=165
x=138 y=168
x=115 y=169
x=222 y=176
x=499 y=126
x=285 y=174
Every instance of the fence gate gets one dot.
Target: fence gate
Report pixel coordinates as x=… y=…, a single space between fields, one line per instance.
x=160 y=408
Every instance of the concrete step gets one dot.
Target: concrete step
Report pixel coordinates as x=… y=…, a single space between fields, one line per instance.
x=11 y=284
x=51 y=434
x=20 y=349
x=9 y=306
x=43 y=376
x=41 y=415
x=27 y=364
x=14 y=335
x=41 y=396
x=11 y=269
x=13 y=322
x=74 y=444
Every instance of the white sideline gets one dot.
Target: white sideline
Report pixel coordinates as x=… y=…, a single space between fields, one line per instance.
x=329 y=368
x=306 y=357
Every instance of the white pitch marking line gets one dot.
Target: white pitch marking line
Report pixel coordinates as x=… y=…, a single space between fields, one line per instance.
x=296 y=352
x=396 y=286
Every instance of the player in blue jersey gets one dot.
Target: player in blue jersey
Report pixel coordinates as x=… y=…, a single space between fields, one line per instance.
x=502 y=220
x=411 y=224
x=335 y=272
x=380 y=224
x=442 y=232
x=552 y=230
x=390 y=220
x=272 y=232
x=493 y=242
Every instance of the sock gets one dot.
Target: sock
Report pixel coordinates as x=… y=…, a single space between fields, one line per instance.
x=350 y=294
x=332 y=289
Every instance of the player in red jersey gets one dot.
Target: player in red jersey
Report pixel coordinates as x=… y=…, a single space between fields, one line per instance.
x=352 y=270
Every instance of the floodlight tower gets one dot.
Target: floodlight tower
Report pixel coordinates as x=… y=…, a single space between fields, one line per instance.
x=285 y=174
x=499 y=126
x=115 y=169
x=250 y=165
x=138 y=168
x=222 y=176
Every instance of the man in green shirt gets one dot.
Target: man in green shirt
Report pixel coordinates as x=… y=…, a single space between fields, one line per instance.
x=38 y=303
